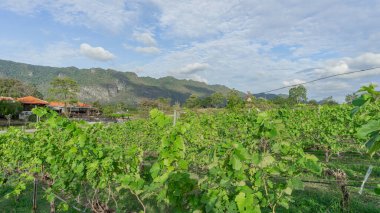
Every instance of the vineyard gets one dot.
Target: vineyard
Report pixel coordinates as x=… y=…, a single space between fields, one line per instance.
x=227 y=160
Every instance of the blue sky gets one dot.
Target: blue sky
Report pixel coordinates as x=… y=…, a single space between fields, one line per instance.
x=244 y=44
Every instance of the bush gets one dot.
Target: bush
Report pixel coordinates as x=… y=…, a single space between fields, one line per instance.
x=10 y=108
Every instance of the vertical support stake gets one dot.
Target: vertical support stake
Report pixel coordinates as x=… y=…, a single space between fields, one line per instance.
x=35 y=193
x=365 y=178
x=175 y=117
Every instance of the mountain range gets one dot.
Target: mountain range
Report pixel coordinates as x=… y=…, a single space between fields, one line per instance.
x=108 y=86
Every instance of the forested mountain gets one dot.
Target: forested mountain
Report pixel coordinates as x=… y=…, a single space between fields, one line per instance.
x=107 y=85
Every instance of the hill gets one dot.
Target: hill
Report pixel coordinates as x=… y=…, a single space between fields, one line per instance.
x=107 y=85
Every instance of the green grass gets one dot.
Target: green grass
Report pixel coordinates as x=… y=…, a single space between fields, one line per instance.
x=322 y=199
x=326 y=198
x=24 y=202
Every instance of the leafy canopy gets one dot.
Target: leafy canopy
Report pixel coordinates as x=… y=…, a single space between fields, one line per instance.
x=298 y=94
x=64 y=89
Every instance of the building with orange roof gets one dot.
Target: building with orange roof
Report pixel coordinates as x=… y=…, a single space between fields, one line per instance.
x=30 y=102
x=2 y=98
x=73 y=108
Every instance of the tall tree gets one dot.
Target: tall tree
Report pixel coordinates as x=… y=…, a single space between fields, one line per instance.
x=64 y=89
x=12 y=108
x=234 y=100
x=298 y=94
x=193 y=101
x=217 y=99
x=205 y=102
x=15 y=88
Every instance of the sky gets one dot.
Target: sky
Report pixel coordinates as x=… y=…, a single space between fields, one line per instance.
x=244 y=44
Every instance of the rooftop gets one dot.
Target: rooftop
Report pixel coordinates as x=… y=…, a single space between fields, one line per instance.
x=62 y=104
x=2 y=98
x=32 y=100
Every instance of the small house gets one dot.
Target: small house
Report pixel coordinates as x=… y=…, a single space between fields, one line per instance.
x=73 y=109
x=30 y=102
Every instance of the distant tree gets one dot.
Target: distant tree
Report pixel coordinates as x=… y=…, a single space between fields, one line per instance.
x=148 y=104
x=329 y=101
x=64 y=89
x=217 y=99
x=350 y=97
x=234 y=101
x=313 y=102
x=121 y=107
x=12 y=108
x=193 y=101
x=298 y=94
x=108 y=110
x=205 y=102
x=163 y=103
x=16 y=88
x=281 y=101
x=97 y=104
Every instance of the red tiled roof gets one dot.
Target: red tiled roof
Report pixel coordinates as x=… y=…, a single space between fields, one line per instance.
x=32 y=100
x=62 y=104
x=56 y=104
x=2 y=98
x=79 y=104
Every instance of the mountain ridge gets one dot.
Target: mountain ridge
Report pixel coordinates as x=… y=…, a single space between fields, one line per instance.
x=108 y=85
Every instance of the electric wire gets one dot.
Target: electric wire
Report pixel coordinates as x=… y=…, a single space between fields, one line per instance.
x=321 y=78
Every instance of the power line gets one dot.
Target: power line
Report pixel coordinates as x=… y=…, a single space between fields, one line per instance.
x=318 y=79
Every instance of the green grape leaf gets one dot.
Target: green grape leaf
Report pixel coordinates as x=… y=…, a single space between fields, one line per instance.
x=366 y=129
x=377 y=189
x=297 y=183
x=155 y=170
x=266 y=161
x=288 y=191
x=235 y=162
x=245 y=203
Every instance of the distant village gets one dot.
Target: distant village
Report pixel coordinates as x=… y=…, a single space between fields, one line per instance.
x=73 y=110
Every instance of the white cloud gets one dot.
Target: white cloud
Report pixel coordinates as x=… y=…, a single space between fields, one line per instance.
x=365 y=60
x=197 y=18
x=193 y=68
x=315 y=27
x=97 y=53
x=112 y=15
x=191 y=71
x=231 y=60
x=51 y=54
x=337 y=89
x=147 y=38
x=348 y=64
x=197 y=78
x=147 y=50
x=340 y=86
x=293 y=82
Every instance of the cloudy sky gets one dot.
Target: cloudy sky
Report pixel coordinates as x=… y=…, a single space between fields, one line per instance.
x=244 y=44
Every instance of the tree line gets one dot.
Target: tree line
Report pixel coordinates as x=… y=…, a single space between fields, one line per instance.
x=65 y=89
